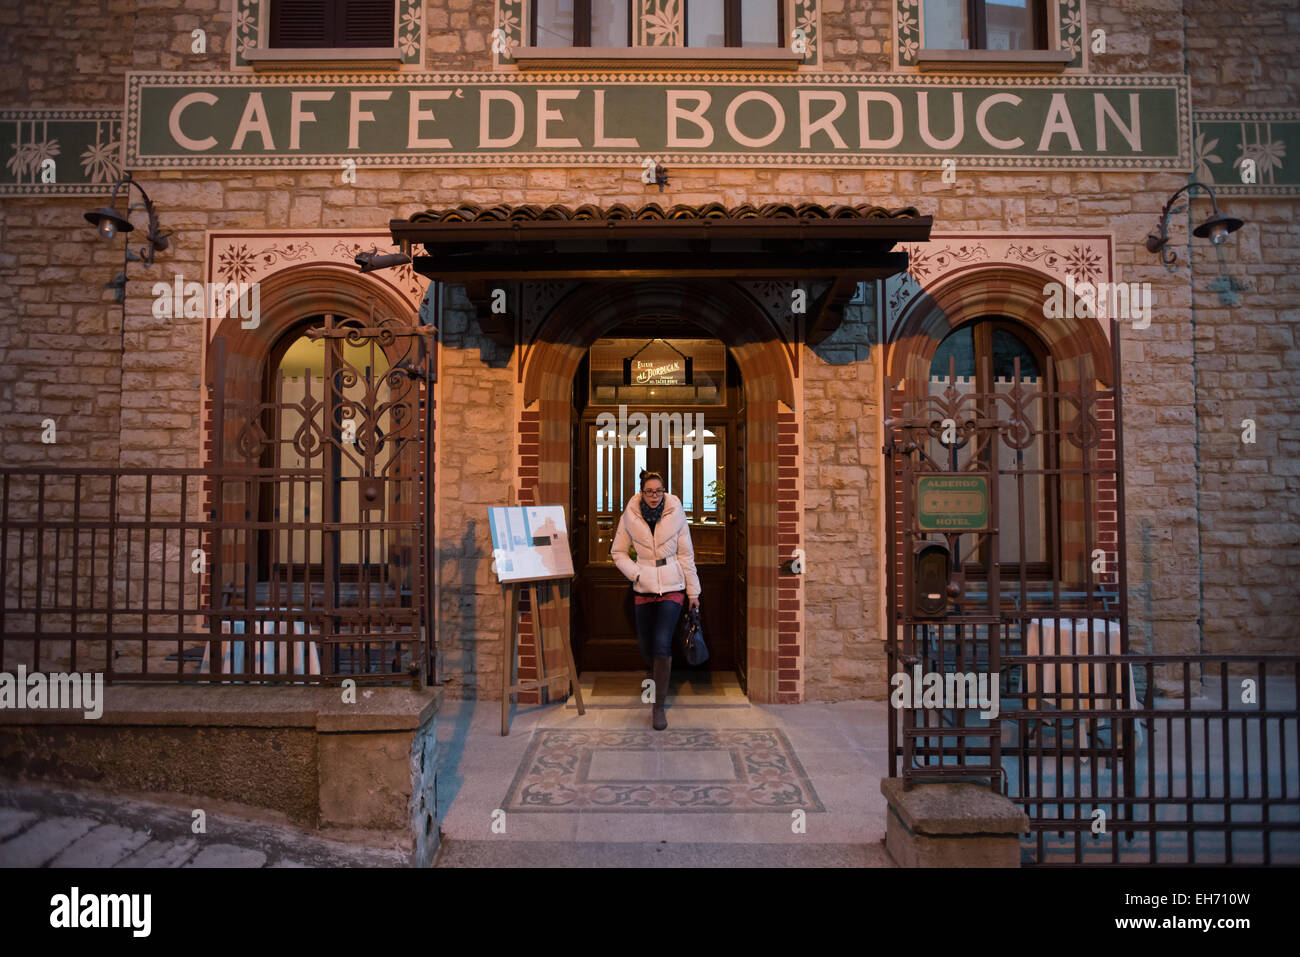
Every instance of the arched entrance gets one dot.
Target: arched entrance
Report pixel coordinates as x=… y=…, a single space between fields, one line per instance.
x=719 y=310
x=674 y=408
x=319 y=468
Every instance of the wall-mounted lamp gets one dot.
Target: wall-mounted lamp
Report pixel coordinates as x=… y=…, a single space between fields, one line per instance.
x=661 y=176
x=108 y=222
x=374 y=260
x=1216 y=229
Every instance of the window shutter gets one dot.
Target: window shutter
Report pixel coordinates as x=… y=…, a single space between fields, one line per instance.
x=300 y=23
x=367 y=23
x=333 y=23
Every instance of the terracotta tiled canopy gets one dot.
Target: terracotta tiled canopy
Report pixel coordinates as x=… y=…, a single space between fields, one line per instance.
x=835 y=246
x=471 y=213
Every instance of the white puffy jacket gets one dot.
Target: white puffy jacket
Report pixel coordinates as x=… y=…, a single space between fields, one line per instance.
x=670 y=543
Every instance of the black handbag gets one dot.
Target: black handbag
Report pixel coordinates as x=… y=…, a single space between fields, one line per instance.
x=692 y=632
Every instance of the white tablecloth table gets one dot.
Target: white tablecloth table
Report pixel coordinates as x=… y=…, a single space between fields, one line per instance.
x=268 y=657
x=1071 y=636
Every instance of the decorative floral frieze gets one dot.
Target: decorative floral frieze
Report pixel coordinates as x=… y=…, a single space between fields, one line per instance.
x=909 y=32
x=245 y=30
x=1078 y=257
x=660 y=23
x=1069 y=30
x=508 y=35
x=807 y=20
x=251 y=24
x=255 y=256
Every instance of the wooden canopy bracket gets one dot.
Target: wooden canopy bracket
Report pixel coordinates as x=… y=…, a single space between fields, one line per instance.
x=497 y=326
x=828 y=311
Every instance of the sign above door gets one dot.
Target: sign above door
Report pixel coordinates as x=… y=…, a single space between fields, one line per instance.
x=845 y=120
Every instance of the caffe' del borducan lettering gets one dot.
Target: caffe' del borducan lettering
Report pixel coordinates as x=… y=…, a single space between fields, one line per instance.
x=484 y=119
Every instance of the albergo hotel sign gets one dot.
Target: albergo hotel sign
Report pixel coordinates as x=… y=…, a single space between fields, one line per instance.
x=218 y=121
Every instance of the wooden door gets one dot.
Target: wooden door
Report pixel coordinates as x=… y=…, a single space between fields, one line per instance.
x=604 y=626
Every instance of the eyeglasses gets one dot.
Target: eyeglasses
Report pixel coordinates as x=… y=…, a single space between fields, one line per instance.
x=652 y=491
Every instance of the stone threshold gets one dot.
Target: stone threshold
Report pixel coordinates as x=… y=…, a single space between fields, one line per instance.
x=489 y=853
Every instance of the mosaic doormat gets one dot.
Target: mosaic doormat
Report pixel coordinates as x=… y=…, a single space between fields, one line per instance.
x=731 y=770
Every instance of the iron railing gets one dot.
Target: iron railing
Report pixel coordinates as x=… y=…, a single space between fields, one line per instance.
x=1155 y=759
x=1122 y=759
x=135 y=574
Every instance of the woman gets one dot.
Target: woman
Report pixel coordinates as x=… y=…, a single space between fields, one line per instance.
x=662 y=575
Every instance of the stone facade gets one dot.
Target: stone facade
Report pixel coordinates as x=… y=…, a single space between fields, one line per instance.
x=1213 y=524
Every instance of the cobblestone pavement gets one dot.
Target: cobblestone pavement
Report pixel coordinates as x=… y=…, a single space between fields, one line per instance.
x=47 y=827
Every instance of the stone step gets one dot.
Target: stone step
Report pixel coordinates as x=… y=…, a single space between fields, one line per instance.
x=506 y=853
x=688 y=689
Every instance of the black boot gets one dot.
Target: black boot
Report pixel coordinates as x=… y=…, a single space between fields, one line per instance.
x=663 y=671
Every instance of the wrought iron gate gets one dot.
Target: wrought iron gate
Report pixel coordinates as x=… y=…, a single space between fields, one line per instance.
x=1021 y=484
x=320 y=498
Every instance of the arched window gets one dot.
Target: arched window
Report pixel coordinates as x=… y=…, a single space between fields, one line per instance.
x=331 y=431
x=993 y=357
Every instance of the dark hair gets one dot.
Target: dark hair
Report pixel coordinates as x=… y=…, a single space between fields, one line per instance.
x=647 y=476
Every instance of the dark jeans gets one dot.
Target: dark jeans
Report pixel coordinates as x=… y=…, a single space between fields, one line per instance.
x=656 y=621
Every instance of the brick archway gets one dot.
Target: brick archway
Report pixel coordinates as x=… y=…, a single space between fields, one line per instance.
x=1012 y=291
x=774 y=652
x=288 y=297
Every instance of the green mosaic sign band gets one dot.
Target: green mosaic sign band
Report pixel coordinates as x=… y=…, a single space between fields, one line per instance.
x=218 y=121
x=951 y=503
x=59 y=152
x=1228 y=141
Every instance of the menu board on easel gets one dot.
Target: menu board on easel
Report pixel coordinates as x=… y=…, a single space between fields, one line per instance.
x=530 y=549
x=529 y=543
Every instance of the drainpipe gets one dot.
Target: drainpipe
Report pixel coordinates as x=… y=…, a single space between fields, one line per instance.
x=1196 y=389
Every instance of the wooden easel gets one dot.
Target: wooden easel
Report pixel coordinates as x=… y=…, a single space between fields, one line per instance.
x=568 y=673
x=510 y=592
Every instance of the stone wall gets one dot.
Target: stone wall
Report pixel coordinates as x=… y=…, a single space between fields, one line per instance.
x=476 y=458
x=843 y=654
x=1243 y=55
